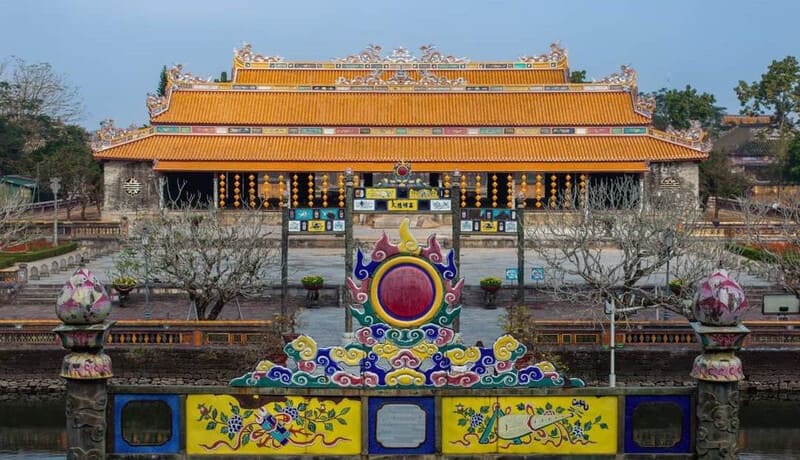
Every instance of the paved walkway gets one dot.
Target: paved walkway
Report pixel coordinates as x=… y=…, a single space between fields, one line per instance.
x=476 y=263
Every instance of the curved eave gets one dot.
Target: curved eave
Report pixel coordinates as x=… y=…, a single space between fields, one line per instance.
x=317 y=153
x=579 y=108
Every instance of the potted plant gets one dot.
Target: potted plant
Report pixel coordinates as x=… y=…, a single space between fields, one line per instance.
x=123 y=285
x=676 y=286
x=126 y=268
x=312 y=284
x=490 y=285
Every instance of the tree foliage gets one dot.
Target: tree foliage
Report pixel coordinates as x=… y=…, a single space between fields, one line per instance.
x=677 y=108
x=719 y=178
x=777 y=92
x=577 y=76
x=162 y=82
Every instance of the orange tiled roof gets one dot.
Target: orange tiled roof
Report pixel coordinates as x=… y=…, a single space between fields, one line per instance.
x=317 y=152
x=328 y=77
x=401 y=109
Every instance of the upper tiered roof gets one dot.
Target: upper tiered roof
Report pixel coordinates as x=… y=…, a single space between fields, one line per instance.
x=403 y=96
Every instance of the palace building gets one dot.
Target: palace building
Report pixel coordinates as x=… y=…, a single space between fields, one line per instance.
x=285 y=132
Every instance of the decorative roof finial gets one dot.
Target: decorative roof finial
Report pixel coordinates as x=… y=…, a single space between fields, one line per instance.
x=556 y=55
x=246 y=55
x=625 y=77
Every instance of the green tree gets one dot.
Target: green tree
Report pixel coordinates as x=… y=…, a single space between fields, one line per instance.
x=162 y=82
x=69 y=157
x=777 y=92
x=718 y=178
x=577 y=76
x=677 y=108
x=793 y=159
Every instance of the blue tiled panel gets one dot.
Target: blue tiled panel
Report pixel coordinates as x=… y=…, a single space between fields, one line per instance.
x=171 y=446
x=427 y=446
x=685 y=443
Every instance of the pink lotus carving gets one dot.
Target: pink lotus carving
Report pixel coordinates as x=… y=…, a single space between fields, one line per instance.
x=83 y=300
x=719 y=301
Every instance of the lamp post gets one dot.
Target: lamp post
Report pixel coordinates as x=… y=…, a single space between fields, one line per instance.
x=55 y=186
x=610 y=309
x=145 y=245
x=668 y=241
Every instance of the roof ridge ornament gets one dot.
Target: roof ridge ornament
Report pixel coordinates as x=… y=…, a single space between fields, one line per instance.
x=645 y=104
x=694 y=135
x=401 y=78
x=556 y=55
x=177 y=75
x=246 y=54
x=625 y=77
x=109 y=132
x=372 y=54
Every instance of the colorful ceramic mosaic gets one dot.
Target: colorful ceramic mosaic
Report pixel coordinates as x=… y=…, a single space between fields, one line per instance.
x=406 y=300
x=720 y=301
x=559 y=424
x=83 y=299
x=225 y=424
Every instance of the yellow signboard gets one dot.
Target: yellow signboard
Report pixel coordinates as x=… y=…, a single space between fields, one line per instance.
x=552 y=425
x=316 y=225
x=380 y=193
x=489 y=226
x=423 y=193
x=401 y=205
x=272 y=425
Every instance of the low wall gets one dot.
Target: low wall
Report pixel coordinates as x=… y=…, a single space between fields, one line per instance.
x=33 y=373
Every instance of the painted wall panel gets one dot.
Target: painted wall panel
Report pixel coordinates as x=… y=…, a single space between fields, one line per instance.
x=264 y=425
x=538 y=425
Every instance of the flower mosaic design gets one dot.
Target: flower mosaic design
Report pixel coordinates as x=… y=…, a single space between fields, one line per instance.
x=526 y=424
x=273 y=425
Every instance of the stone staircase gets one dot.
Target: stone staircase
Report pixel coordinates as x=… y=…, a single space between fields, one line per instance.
x=38 y=294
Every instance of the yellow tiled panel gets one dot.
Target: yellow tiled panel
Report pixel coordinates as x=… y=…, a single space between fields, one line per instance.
x=390 y=149
x=401 y=109
x=473 y=77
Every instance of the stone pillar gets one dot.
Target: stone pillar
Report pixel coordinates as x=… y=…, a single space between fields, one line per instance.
x=83 y=307
x=719 y=306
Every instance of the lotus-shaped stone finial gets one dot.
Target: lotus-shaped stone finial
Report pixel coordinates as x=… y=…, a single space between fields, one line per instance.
x=83 y=300
x=719 y=300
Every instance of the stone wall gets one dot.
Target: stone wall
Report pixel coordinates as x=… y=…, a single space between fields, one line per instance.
x=770 y=374
x=119 y=202
x=669 y=175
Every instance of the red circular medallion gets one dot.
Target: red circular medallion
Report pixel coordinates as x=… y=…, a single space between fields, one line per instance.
x=406 y=292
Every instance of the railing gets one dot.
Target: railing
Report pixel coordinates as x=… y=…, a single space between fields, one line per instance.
x=562 y=334
x=80 y=230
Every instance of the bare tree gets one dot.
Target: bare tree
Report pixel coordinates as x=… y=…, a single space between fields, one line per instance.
x=771 y=240
x=13 y=226
x=617 y=238
x=36 y=89
x=215 y=256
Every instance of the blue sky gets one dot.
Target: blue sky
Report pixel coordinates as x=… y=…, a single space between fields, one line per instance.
x=113 y=50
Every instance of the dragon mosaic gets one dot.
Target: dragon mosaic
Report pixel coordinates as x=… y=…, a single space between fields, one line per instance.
x=406 y=301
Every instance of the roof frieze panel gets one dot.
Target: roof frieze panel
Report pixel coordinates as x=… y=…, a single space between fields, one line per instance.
x=489 y=149
x=434 y=132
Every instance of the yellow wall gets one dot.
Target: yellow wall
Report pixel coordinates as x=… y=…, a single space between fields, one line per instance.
x=224 y=424
x=536 y=425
